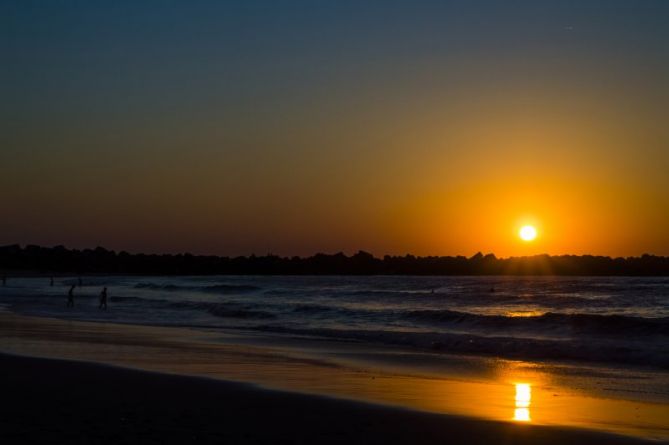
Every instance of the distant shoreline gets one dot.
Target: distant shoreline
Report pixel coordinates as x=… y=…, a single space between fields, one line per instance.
x=12 y=273
x=45 y=261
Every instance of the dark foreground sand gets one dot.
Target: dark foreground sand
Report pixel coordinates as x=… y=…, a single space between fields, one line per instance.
x=55 y=401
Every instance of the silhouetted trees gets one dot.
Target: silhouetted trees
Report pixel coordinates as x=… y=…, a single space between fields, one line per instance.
x=59 y=259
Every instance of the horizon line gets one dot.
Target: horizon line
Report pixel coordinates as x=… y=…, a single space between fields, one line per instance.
x=340 y=252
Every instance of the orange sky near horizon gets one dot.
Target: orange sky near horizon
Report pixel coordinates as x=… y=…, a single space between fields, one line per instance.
x=561 y=170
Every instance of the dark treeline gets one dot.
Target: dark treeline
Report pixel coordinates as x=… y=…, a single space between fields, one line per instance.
x=60 y=260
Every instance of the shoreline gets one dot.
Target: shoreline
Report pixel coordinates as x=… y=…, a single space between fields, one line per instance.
x=52 y=400
x=181 y=351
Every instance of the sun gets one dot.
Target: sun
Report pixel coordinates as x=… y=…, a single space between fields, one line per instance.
x=527 y=233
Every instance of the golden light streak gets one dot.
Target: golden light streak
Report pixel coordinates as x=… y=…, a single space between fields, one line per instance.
x=523 y=399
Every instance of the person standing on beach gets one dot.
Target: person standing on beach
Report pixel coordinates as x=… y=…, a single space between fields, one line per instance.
x=103 y=299
x=70 y=296
x=51 y=282
x=4 y=280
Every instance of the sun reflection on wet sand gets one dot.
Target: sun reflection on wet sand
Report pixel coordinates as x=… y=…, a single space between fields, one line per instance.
x=523 y=398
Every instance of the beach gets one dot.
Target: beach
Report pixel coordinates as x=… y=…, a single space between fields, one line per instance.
x=111 y=383
x=56 y=401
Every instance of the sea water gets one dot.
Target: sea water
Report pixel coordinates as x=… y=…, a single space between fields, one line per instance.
x=614 y=320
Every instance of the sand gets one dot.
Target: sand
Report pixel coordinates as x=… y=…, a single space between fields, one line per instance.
x=165 y=399
x=57 y=401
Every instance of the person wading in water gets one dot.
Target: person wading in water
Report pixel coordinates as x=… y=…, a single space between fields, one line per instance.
x=103 y=299
x=70 y=296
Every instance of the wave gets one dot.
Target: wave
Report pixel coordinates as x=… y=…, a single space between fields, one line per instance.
x=418 y=293
x=224 y=289
x=224 y=310
x=230 y=288
x=579 y=323
x=324 y=310
x=138 y=300
x=133 y=299
x=153 y=286
x=507 y=347
x=312 y=308
x=478 y=296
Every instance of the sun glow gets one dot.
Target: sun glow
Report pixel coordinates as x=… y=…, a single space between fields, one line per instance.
x=527 y=233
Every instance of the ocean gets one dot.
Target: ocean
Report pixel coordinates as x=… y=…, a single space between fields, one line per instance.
x=622 y=321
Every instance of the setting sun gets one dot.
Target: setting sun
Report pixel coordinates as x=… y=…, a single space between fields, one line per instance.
x=527 y=233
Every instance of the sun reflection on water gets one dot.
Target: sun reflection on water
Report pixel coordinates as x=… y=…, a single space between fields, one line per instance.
x=523 y=399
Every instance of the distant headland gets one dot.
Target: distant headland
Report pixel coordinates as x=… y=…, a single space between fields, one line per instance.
x=61 y=260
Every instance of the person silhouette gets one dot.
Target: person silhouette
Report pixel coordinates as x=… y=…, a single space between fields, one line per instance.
x=103 y=299
x=51 y=282
x=81 y=283
x=70 y=296
x=4 y=280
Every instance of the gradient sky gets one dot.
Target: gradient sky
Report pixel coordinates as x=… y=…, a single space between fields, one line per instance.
x=292 y=127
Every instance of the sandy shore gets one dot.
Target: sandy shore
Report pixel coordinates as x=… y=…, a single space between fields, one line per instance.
x=56 y=401
x=47 y=400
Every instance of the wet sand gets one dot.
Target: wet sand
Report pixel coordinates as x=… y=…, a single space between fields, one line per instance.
x=55 y=401
x=66 y=401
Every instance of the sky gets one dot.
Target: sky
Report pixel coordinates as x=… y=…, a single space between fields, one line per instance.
x=296 y=127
